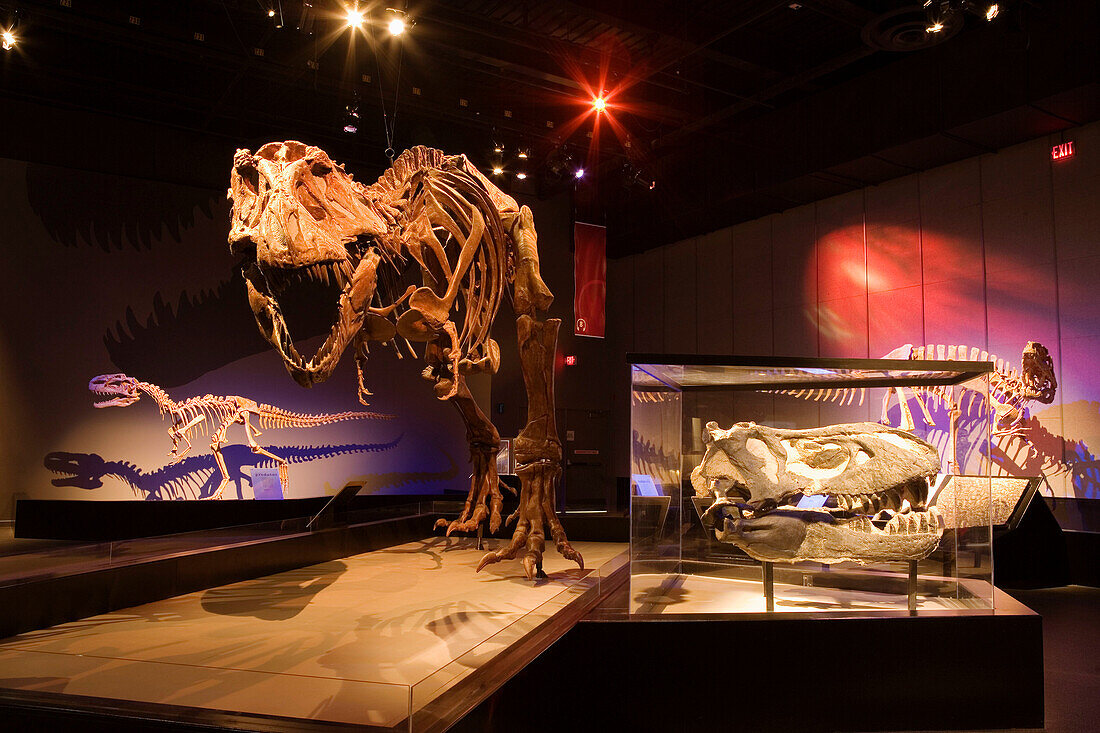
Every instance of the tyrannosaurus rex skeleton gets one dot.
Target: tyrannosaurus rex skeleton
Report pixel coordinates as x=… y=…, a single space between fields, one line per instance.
x=224 y=411
x=425 y=254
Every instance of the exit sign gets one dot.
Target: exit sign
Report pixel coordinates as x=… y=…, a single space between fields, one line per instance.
x=1062 y=151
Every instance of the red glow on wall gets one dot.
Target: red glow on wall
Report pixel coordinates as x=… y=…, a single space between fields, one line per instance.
x=1062 y=151
x=570 y=360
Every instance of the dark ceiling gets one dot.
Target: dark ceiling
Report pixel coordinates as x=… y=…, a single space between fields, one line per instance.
x=734 y=109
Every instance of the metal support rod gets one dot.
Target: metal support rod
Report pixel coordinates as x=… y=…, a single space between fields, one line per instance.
x=769 y=587
x=912 y=586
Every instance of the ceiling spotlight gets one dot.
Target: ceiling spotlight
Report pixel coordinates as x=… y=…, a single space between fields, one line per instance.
x=579 y=173
x=498 y=148
x=355 y=18
x=599 y=103
x=8 y=40
x=398 y=22
x=522 y=153
x=521 y=175
x=992 y=11
x=934 y=27
x=497 y=170
x=271 y=12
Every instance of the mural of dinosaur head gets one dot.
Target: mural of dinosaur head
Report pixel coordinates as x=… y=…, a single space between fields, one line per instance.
x=122 y=390
x=1037 y=369
x=874 y=479
x=309 y=236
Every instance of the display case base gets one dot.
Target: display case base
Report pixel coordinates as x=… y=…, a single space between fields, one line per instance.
x=782 y=672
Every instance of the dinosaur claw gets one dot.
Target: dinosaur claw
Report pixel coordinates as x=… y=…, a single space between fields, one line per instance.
x=529 y=565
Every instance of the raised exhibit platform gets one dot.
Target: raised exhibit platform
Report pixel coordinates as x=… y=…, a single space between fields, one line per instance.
x=407 y=635
x=799 y=671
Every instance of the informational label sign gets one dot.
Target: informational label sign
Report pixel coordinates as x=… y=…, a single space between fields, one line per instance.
x=266 y=484
x=645 y=485
x=504 y=458
x=589 y=279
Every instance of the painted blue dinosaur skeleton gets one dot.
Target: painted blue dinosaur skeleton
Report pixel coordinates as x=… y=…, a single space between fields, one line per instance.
x=197 y=476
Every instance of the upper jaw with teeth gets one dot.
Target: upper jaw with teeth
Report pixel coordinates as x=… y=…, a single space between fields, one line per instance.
x=875 y=480
x=265 y=284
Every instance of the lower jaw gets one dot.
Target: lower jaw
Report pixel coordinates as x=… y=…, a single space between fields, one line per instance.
x=831 y=543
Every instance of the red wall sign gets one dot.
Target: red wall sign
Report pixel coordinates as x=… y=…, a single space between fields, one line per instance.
x=1062 y=151
x=589 y=279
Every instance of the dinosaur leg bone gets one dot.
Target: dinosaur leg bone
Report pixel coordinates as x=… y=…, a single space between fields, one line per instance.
x=530 y=292
x=217 y=440
x=182 y=433
x=250 y=434
x=538 y=451
x=484 y=498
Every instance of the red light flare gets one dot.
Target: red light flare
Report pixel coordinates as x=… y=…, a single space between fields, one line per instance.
x=613 y=106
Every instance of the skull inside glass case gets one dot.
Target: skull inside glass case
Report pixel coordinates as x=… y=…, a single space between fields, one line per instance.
x=769 y=484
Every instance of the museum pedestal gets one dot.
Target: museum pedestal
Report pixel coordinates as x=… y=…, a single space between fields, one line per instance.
x=797 y=671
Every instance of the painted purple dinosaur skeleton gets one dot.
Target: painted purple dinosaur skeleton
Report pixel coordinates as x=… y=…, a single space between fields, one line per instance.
x=1010 y=391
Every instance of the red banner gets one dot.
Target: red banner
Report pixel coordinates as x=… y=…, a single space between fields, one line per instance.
x=589 y=279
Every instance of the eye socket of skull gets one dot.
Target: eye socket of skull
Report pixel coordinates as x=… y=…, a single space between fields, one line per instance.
x=250 y=179
x=820 y=454
x=319 y=166
x=730 y=488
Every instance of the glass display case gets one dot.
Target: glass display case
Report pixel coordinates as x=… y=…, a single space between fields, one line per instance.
x=742 y=476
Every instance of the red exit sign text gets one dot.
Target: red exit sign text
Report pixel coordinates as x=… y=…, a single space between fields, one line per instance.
x=1063 y=151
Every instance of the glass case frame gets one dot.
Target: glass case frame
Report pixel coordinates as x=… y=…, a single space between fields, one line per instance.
x=678 y=567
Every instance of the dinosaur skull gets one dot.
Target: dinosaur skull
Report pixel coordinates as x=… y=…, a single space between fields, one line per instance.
x=1038 y=373
x=308 y=235
x=875 y=480
x=122 y=389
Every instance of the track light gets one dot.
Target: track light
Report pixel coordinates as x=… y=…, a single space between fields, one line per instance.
x=522 y=153
x=497 y=170
x=521 y=175
x=351 y=118
x=8 y=40
x=355 y=17
x=636 y=177
x=579 y=173
x=271 y=12
x=947 y=16
x=599 y=104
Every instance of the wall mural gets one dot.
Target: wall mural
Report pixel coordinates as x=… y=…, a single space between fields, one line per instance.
x=977 y=306
x=125 y=275
x=993 y=252
x=213 y=415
